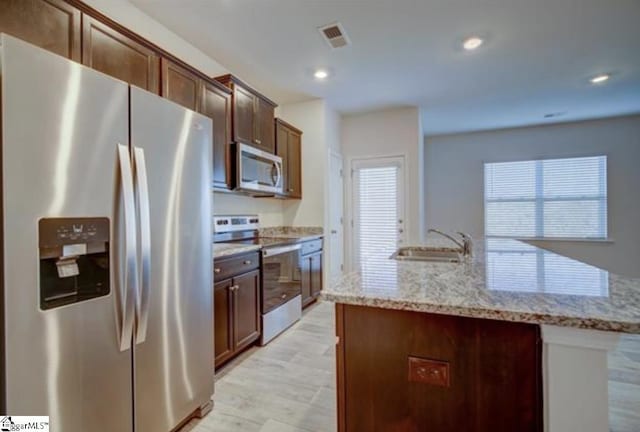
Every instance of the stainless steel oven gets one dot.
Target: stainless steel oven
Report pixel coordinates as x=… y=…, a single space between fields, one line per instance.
x=281 y=289
x=258 y=171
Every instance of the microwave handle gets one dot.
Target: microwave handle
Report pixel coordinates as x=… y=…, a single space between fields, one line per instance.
x=278 y=173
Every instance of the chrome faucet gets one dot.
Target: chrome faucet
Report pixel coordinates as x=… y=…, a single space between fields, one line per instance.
x=466 y=245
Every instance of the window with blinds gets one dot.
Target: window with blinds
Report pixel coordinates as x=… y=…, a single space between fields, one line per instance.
x=552 y=198
x=377 y=207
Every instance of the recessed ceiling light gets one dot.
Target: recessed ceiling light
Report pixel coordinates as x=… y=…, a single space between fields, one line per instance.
x=321 y=74
x=599 y=79
x=472 y=43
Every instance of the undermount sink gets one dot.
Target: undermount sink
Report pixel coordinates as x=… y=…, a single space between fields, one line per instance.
x=426 y=254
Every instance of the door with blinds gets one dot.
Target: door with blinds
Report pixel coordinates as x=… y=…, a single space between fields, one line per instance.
x=378 y=209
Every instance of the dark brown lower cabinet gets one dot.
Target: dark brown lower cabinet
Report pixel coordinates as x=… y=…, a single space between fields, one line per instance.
x=311 y=275
x=236 y=305
x=223 y=321
x=411 y=371
x=246 y=301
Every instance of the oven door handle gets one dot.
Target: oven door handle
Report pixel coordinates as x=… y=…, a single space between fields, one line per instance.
x=279 y=250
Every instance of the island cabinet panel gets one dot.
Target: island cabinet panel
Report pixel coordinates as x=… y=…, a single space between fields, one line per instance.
x=113 y=53
x=412 y=371
x=216 y=104
x=180 y=85
x=50 y=24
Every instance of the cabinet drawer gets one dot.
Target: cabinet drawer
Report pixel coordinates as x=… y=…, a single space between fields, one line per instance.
x=311 y=246
x=228 y=267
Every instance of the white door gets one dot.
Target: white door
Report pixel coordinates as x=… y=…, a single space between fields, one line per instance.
x=336 y=215
x=378 y=208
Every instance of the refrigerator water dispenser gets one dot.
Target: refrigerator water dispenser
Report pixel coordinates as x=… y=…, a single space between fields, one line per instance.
x=74 y=260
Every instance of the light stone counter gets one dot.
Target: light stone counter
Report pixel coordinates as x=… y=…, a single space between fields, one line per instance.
x=227 y=249
x=506 y=280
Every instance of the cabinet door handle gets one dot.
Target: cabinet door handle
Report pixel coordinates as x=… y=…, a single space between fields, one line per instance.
x=234 y=287
x=258 y=141
x=290 y=189
x=216 y=270
x=283 y=296
x=247 y=262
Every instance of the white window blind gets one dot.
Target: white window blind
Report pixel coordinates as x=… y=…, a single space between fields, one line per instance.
x=377 y=212
x=554 y=198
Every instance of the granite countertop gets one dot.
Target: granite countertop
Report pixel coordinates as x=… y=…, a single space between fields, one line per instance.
x=227 y=249
x=505 y=280
x=287 y=232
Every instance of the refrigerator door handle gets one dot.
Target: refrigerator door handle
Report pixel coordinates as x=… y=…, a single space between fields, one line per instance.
x=142 y=199
x=129 y=290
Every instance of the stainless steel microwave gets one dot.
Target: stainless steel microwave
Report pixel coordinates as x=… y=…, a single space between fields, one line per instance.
x=258 y=171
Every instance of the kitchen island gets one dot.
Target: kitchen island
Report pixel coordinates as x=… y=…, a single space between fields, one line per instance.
x=515 y=338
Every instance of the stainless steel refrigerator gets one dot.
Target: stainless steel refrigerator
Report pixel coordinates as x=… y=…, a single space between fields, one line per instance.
x=106 y=278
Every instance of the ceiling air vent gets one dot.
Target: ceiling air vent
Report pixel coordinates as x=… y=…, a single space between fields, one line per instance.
x=335 y=35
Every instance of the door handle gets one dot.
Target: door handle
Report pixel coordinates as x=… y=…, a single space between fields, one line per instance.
x=142 y=200
x=127 y=285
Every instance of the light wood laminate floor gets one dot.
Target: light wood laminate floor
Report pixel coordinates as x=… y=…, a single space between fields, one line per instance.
x=289 y=385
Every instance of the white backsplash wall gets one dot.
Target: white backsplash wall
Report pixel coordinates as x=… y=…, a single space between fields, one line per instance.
x=310 y=118
x=269 y=209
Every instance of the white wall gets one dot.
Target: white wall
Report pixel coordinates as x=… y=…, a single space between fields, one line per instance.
x=321 y=133
x=269 y=209
x=310 y=117
x=391 y=132
x=454 y=180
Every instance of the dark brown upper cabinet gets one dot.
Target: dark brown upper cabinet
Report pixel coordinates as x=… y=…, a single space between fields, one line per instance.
x=216 y=104
x=212 y=99
x=118 y=55
x=50 y=24
x=252 y=115
x=180 y=85
x=264 y=117
x=289 y=148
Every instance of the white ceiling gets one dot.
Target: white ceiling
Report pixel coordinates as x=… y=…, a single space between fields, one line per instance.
x=537 y=59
